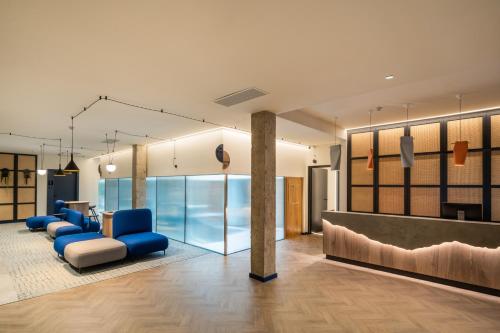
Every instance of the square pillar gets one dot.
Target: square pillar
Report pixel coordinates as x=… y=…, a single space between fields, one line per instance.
x=263 y=186
x=139 y=173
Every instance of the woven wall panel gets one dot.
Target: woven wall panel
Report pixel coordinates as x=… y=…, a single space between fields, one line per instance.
x=495 y=131
x=360 y=144
x=362 y=199
x=469 y=174
x=425 y=201
x=6 y=195
x=426 y=137
x=391 y=200
x=6 y=161
x=495 y=204
x=6 y=212
x=26 y=162
x=360 y=175
x=465 y=195
x=25 y=210
x=390 y=171
x=26 y=195
x=495 y=167
x=425 y=170
x=388 y=141
x=472 y=131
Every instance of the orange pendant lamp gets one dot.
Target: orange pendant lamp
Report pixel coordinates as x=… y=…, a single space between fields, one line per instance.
x=369 y=165
x=460 y=147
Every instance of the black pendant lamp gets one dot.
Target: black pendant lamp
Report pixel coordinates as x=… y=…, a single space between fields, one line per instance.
x=59 y=171
x=71 y=167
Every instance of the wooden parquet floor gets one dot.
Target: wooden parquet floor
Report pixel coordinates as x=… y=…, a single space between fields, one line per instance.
x=214 y=294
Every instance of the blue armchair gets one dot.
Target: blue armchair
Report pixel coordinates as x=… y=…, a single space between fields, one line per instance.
x=41 y=222
x=134 y=228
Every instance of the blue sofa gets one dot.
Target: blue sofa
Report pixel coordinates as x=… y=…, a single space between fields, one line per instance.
x=40 y=222
x=134 y=228
x=61 y=242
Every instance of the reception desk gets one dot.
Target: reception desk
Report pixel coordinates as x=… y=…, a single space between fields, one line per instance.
x=461 y=251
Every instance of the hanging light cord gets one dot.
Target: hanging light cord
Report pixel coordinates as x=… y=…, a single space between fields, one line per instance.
x=60 y=152
x=460 y=116
x=371 y=111
x=42 y=148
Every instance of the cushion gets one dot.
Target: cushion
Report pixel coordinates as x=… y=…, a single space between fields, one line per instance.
x=52 y=228
x=61 y=242
x=73 y=216
x=69 y=230
x=144 y=242
x=94 y=252
x=37 y=222
x=131 y=221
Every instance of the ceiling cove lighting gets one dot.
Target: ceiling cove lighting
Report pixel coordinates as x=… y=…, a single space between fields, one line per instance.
x=369 y=165
x=60 y=172
x=460 y=147
x=406 y=145
x=72 y=167
x=42 y=171
x=389 y=77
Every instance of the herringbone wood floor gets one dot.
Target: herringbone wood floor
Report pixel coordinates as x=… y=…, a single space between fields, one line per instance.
x=214 y=294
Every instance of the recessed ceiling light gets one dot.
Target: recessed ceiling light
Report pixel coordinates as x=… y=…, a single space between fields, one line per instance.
x=389 y=77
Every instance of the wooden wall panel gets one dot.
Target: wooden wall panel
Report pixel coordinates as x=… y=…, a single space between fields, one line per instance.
x=6 y=212
x=465 y=195
x=360 y=175
x=26 y=162
x=426 y=138
x=26 y=195
x=495 y=204
x=362 y=199
x=293 y=206
x=391 y=172
x=9 y=181
x=6 y=195
x=495 y=131
x=7 y=161
x=495 y=167
x=425 y=201
x=23 y=182
x=25 y=210
x=391 y=200
x=360 y=144
x=472 y=131
x=388 y=141
x=425 y=170
x=469 y=174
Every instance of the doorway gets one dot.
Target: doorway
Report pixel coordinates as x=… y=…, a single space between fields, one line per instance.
x=60 y=188
x=323 y=189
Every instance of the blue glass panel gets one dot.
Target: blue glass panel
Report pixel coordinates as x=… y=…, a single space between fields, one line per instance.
x=238 y=213
x=280 y=208
x=151 y=197
x=111 y=191
x=170 y=206
x=101 y=185
x=124 y=193
x=205 y=211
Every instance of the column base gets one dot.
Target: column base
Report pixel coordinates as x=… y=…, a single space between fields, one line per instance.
x=263 y=278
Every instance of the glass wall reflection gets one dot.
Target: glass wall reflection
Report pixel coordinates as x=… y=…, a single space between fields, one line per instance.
x=124 y=193
x=170 y=203
x=101 y=187
x=280 y=208
x=151 y=197
x=238 y=213
x=111 y=192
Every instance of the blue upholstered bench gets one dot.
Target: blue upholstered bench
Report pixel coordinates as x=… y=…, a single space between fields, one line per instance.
x=61 y=242
x=41 y=222
x=73 y=224
x=134 y=228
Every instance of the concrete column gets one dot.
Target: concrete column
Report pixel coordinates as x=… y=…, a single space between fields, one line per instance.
x=263 y=229
x=139 y=173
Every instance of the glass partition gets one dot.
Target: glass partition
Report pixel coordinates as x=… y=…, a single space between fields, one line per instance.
x=280 y=208
x=111 y=195
x=101 y=187
x=170 y=203
x=205 y=211
x=151 y=197
x=124 y=193
x=238 y=213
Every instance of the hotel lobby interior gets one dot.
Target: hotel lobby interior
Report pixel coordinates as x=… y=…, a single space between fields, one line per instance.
x=263 y=166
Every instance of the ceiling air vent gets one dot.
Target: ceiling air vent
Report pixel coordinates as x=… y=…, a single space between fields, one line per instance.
x=240 y=96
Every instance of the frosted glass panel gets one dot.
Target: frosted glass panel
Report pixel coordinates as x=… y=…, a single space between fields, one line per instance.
x=151 y=197
x=238 y=213
x=171 y=206
x=280 y=208
x=101 y=186
x=125 y=193
x=111 y=202
x=205 y=211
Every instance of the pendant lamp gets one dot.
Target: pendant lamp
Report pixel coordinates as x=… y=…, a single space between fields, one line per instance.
x=110 y=167
x=72 y=167
x=59 y=171
x=406 y=146
x=42 y=171
x=460 y=147
x=370 y=151
x=67 y=161
x=335 y=150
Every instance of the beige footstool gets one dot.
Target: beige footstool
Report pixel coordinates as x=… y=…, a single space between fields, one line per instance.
x=94 y=252
x=53 y=226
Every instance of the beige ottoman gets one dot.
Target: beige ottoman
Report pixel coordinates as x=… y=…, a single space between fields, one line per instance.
x=94 y=252
x=53 y=226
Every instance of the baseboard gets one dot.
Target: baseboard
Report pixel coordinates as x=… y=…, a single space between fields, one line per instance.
x=452 y=283
x=263 y=278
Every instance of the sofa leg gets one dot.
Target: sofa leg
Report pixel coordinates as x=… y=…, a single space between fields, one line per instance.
x=164 y=252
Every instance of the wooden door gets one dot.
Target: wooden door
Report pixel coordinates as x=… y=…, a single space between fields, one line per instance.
x=293 y=206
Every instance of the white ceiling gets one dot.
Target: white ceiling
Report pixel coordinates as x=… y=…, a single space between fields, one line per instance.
x=325 y=58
